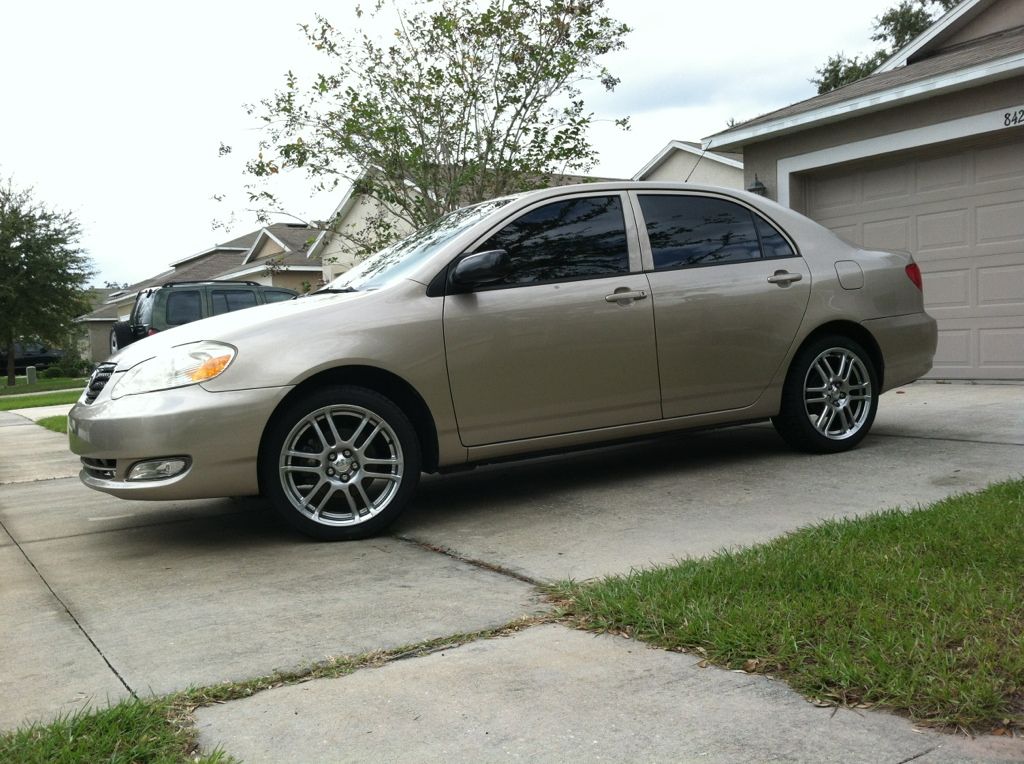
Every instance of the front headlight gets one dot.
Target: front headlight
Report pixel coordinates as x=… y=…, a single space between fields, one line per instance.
x=183 y=365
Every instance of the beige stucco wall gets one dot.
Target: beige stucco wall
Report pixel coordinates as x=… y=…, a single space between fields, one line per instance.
x=97 y=346
x=292 y=279
x=762 y=158
x=679 y=164
x=1003 y=15
x=338 y=253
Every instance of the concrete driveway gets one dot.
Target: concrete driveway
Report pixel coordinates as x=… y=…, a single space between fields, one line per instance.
x=101 y=597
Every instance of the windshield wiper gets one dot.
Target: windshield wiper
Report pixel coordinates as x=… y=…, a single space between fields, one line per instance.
x=333 y=290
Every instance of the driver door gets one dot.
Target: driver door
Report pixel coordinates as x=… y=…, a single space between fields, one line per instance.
x=565 y=342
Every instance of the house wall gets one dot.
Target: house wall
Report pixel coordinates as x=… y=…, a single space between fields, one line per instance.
x=678 y=166
x=996 y=18
x=762 y=158
x=97 y=347
x=338 y=253
x=291 y=279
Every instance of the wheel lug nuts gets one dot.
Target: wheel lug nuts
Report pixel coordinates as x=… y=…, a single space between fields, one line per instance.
x=344 y=478
x=347 y=453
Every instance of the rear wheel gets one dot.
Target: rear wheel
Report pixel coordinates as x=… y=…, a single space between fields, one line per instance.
x=341 y=463
x=830 y=396
x=120 y=336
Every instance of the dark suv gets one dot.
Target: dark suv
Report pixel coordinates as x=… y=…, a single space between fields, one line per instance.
x=181 y=302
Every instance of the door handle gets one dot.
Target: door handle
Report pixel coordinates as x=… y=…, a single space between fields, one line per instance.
x=784 y=278
x=625 y=295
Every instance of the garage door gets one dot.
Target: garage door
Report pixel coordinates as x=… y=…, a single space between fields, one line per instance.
x=960 y=210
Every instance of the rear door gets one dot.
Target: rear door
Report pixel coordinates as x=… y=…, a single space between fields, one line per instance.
x=551 y=349
x=729 y=294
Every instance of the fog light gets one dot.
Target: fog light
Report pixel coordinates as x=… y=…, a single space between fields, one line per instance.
x=158 y=469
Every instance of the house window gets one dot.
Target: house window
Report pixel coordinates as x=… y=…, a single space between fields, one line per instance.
x=572 y=239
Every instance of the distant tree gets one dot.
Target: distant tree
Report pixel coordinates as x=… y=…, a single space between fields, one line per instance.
x=115 y=285
x=468 y=101
x=893 y=29
x=43 y=272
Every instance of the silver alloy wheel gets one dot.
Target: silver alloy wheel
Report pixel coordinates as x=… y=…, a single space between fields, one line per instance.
x=837 y=393
x=341 y=465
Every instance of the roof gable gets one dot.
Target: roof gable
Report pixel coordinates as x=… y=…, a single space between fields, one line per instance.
x=730 y=160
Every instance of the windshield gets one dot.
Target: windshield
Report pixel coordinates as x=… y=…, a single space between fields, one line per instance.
x=400 y=258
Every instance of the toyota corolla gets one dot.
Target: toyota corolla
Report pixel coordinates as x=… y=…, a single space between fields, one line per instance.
x=549 y=320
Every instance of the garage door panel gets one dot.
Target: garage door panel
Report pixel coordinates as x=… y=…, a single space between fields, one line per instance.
x=1001 y=223
x=942 y=174
x=961 y=212
x=886 y=234
x=886 y=183
x=1001 y=286
x=1001 y=349
x=942 y=230
x=954 y=351
x=948 y=289
x=999 y=163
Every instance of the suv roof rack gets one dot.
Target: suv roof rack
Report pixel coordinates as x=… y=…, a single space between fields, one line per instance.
x=210 y=281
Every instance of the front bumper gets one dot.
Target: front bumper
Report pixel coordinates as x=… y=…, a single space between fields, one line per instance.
x=219 y=434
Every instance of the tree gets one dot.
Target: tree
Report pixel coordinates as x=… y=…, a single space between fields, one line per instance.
x=43 y=272
x=894 y=29
x=468 y=102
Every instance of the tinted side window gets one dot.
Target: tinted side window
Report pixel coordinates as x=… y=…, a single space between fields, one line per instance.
x=772 y=242
x=572 y=239
x=275 y=296
x=227 y=300
x=183 y=307
x=698 y=230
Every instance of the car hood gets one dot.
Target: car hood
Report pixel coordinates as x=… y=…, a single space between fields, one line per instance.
x=232 y=327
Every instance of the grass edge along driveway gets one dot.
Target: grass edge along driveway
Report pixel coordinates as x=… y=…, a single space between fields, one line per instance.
x=919 y=612
x=43 y=399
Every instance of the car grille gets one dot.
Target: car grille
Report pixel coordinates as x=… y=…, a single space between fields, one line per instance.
x=104 y=469
x=100 y=376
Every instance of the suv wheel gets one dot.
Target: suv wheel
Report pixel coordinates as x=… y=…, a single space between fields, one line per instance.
x=341 y=463
x=120 y=336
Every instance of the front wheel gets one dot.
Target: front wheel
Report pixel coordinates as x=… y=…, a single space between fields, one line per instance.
x=341 y=463
x=829 y=398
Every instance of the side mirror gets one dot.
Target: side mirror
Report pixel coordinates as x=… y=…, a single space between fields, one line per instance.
x=481 y=269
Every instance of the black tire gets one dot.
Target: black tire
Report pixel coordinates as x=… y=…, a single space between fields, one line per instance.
x=830 y=396
x=363 y=467
x=120 y=336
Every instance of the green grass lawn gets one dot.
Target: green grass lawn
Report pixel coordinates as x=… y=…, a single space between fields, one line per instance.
x=55 y=423
x=45 y=399
x=132 y=731
x=919 y=612
x=43 y=385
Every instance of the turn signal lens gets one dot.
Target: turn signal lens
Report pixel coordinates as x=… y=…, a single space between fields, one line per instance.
x=914 y=274
x=210 y=367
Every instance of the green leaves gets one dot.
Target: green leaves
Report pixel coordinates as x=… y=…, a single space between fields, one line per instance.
x=43 y=271
x=464 y=102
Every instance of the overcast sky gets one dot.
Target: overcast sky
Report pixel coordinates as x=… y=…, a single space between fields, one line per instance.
x=115 y=110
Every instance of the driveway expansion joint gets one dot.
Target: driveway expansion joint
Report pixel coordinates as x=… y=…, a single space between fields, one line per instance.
x=67 y=610
x=917 y=755
x=482 y=564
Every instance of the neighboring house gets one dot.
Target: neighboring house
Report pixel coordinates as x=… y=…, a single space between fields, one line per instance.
x=687 y=161
x=283 y=255
x=925 y=155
